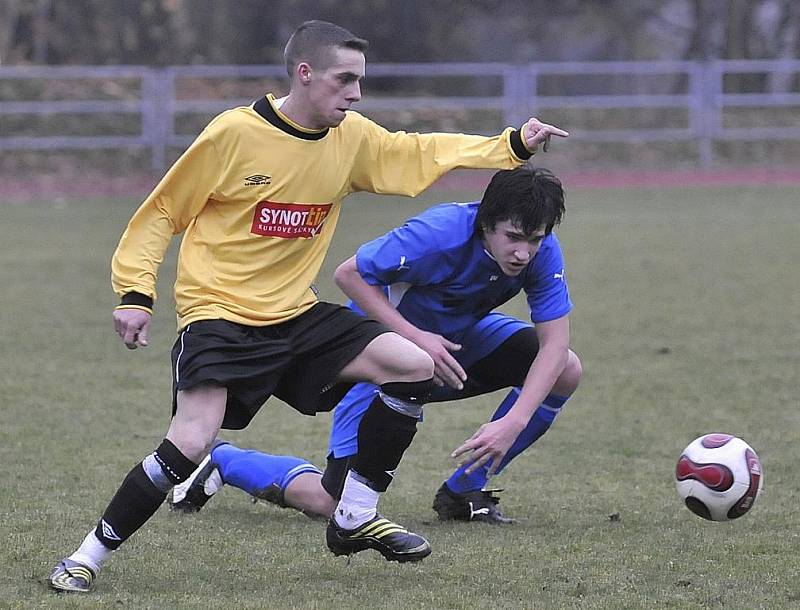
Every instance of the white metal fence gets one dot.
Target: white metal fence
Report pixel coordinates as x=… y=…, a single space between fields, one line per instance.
x=698 y=91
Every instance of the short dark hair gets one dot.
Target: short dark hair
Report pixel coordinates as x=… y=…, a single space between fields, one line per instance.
x=527 y=196
x=312 y=41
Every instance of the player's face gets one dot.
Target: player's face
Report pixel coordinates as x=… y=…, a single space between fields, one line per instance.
x=510 y=247
x=332 y=90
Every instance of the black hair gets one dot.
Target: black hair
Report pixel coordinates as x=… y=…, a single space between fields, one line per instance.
x=312 y=41
x=530 y=197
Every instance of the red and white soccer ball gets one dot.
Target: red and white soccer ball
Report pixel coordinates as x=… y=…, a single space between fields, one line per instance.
x=719 y=477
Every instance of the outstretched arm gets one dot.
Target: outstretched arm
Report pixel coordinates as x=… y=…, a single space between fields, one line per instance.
x=492 y=440
x=407 y=163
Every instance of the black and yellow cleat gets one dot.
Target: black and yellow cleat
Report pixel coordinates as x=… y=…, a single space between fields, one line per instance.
x=392 y=541
x=71 y=576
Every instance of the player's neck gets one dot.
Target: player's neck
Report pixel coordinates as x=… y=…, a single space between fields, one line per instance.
x=293 y=109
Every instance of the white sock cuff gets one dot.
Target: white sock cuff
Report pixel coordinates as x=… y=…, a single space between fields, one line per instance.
x=358 y=505
x=92 y=553
x=358 y=493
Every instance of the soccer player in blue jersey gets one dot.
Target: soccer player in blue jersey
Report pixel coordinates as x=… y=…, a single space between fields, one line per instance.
x=436 y=281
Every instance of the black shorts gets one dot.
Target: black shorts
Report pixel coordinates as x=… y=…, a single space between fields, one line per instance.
x=505 y=367
x=297 y=361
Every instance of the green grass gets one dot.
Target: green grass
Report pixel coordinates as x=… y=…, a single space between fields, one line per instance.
x=686 y=319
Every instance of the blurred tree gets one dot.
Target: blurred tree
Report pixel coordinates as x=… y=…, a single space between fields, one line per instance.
x=162 y=32
x=9 y=19
x=111 y=32
x=738 y=27
x=744 y=29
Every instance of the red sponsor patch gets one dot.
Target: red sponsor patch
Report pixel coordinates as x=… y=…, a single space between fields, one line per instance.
x=290 y=220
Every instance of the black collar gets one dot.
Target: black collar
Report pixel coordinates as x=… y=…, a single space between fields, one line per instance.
x=267 y=112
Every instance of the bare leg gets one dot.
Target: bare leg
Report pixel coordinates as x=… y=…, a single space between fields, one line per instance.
x=305 y=493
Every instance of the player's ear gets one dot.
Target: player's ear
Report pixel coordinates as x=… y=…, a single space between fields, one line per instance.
x=304 y=72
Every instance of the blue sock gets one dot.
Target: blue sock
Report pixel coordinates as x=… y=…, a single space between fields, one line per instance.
x=543 y=417
x=253 y=471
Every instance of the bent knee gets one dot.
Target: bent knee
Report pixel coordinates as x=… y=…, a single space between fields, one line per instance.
x=193 y=449
x=389 y=357
x=398 y=359
x=197 y=420
x=193 y=443
x=570 y=378
x=418 y=367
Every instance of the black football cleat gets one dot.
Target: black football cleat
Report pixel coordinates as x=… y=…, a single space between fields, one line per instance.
x=479 y=505
x=71 y=576
x=392 y=541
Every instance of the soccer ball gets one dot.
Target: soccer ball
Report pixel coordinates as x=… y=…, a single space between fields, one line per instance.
x=719 y=477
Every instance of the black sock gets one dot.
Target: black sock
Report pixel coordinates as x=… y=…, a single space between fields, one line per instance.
x=138 y=498
x=383 y=437
x=135 y=502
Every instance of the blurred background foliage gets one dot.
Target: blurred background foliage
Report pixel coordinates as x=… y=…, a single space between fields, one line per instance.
x=166 y=32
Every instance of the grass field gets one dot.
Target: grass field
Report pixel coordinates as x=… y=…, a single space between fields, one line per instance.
x=687 y=321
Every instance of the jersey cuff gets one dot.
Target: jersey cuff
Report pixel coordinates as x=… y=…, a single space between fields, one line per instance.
x=136 y=300
x=139 y=307
x=518 y=146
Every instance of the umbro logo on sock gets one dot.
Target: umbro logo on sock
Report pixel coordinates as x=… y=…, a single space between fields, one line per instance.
x=108 y=531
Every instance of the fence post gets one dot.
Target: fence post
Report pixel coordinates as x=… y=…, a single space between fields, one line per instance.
x=704 y=83
x=519 y=93
x=157 y=93
x=149 y=109
x=167 y=114
x=532 y=86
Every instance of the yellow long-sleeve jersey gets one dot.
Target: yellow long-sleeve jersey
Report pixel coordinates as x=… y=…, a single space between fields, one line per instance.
x=258 y=198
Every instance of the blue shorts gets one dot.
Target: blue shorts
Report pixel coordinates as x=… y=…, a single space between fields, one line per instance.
x=477 y=343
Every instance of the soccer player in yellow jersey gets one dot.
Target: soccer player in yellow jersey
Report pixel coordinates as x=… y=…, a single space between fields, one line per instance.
x=257 y=197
